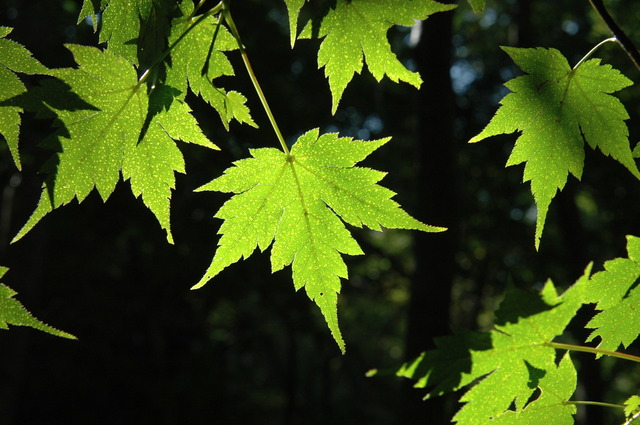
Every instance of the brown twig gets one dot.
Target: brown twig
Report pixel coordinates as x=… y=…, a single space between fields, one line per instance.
x=621 y=36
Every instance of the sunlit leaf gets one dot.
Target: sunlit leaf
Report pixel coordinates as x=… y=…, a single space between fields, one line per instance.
x=556 y=108
x=299 y=202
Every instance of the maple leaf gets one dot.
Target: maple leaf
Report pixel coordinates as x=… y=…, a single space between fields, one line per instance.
x=118 y=130
x=557 y=108
x=299 y=202
x=357 y=29
x=556 y=388
x=13 y=58
x=631 y=406
x=509 y=361
x=617 y=295
x=196 y=62
x=12 y=312
x=136 y=30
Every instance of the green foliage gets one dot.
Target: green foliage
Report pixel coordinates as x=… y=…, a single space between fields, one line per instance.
x=616 y=293
x=120 y=112
x=557 y=108
x=12 y=312
x=297 y=201
x=556 y=388
x=632 y=406
x=511 y=361
x=198 y=58
x=357 y=29
x=120 y=129
x=13 y=58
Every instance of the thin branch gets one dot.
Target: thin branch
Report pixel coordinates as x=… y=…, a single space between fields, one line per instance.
x=245 y=58
x=623 y=38
x=593 y=350
x=593 y=50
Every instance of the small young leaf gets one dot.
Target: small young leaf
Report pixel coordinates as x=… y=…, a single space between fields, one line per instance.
x=557 y=108
x=299 y=202
x=511 y=361
x=13 y=313
x=357 y=30
x=13 y=58
x=617 y=295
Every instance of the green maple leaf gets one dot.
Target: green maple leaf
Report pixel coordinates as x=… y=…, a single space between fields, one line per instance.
x=12 y=312
x=556 y=387
x=120 y=130
x=134 y=29
x=509 y=362
x=617 y=296
x=357 y=29
x=631 y=406
x=195 y=63
x=13 y=58
x=299 y=202
x=557 y=108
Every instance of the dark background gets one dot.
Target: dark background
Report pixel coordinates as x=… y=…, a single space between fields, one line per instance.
x=247 y=349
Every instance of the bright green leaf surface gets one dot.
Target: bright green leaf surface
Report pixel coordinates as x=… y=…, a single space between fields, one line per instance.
x=293 y=10
x=121 y=131
x=511 y=361
x=617 y=295
x=13 y=58
x=297 y=202
x=195 y=64
x=556 y=109
x=556 y=386
x=632 y=406
x=356 y=30
x=134 y=29
x=13 y=313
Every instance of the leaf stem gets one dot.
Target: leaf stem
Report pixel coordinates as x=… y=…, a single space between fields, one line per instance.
x=620 y=35
x=593 y=50
x=234 y=31
x=593 y=350
x=594 y=403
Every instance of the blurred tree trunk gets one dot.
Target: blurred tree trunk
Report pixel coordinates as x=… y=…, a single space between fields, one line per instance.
x=436 y=155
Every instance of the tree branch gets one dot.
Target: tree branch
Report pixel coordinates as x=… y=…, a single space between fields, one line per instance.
x=623 y=38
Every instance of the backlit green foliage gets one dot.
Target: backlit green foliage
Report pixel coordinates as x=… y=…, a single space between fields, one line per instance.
x=13 y=58
x=510 y=361
x=13 y=313
x=616 y=293
x=557 y=108
x=119 y=114
x=298 y=202
x=355 y=31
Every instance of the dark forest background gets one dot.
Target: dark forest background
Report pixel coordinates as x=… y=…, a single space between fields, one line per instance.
x=247 y=349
